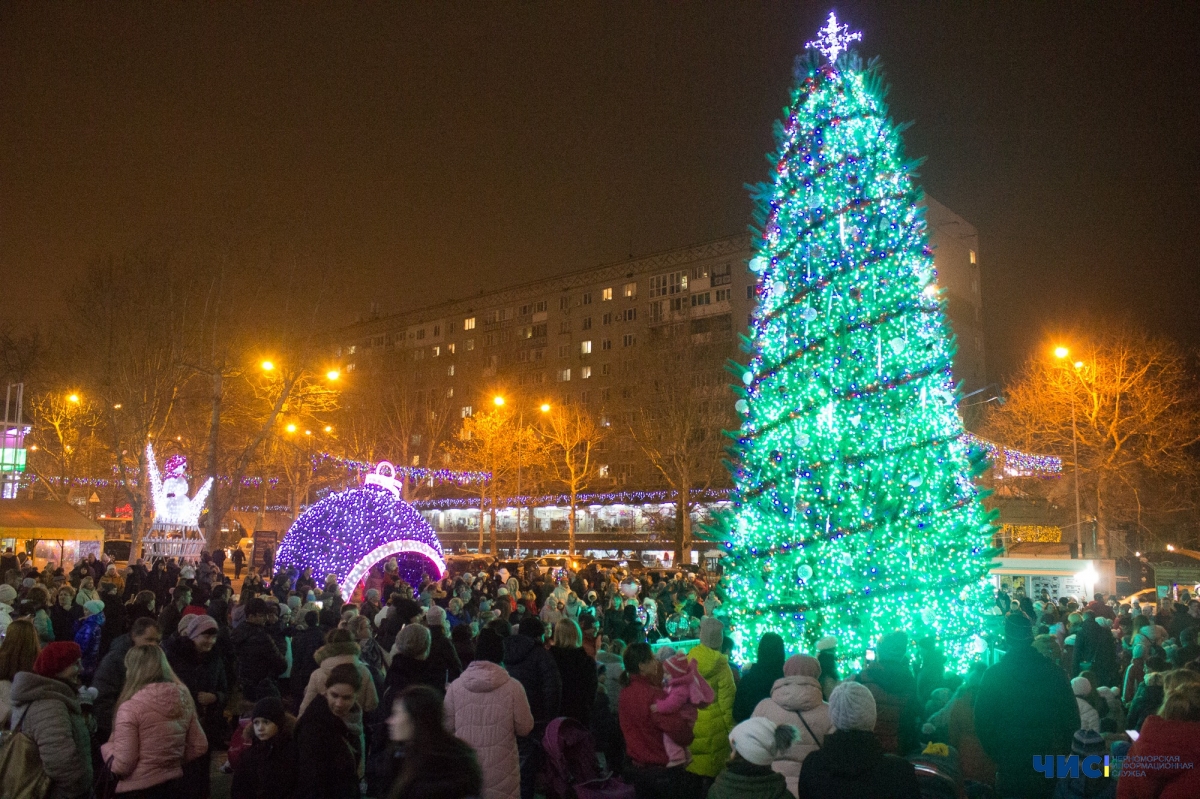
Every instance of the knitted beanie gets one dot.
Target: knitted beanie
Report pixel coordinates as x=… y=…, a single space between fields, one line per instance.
x=8 y=594
x=1081 y=686
x=269 y=708
x=827 y=643
x=196 y=625
x=852 y=707
x=711 y=632
x=55 y=657
x=802 y=666
x=93 y=606
x=760 y=741
x=1087 y=742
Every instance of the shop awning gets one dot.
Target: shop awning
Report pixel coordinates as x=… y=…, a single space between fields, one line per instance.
x=44 y=520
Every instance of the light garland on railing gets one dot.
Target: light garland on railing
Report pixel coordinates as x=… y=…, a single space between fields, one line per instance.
x=415 y=474
x=1015 y=463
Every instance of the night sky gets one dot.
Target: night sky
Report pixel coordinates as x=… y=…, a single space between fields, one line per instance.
x=427 y=150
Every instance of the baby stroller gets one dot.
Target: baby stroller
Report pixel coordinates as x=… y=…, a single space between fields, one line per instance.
x=571 y=770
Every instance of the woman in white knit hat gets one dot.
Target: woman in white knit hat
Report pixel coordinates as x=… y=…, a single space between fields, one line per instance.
x=756 y=743
x=851 y=763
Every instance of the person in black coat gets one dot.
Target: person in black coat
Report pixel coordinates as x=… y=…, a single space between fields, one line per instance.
x=109 y=678
x=259 y=659
x=1024 y=707
x=759 y=679
x=1096 y=651
x=528 y=662
x=429 y=761
x=851 y=763
x=305 y=644
x=64 y=614
x=193 y=656
x=443 y=664
x=328 y=751
x=267 y=769
x=577 y=670
x=410 y=663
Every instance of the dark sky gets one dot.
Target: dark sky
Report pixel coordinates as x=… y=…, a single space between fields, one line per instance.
x=424 y=150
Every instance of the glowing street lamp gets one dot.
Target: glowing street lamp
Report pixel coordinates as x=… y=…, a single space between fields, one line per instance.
x=268 y=366
x=328 y=428
x=333 y=374
x=545 y=407
x=291 y=428
x=1061 y=352
x=498 y=401
x=73 y=399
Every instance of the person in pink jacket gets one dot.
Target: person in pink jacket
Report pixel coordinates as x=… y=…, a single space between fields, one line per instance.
x=155 y=729
x=488 y=709
x=796 y=700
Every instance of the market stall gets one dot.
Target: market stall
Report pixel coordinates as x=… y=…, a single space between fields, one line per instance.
x=50 y=532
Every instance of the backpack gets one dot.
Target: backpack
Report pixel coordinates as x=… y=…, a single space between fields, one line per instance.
x=21 y=773
x=571 y=770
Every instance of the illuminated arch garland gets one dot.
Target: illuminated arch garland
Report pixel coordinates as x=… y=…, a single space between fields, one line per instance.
x=347 y=533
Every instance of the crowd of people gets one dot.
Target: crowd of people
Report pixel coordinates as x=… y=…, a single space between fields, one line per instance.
x=138 y=680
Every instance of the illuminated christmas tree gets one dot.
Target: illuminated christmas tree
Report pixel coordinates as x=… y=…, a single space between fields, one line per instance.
x=854 y=511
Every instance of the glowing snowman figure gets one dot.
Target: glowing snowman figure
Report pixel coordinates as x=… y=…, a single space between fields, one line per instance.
x=169 y=491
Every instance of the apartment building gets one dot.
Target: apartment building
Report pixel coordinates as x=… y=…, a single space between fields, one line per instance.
x=595 y=336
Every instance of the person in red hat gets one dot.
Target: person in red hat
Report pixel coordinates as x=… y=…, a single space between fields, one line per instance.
x=46 y=708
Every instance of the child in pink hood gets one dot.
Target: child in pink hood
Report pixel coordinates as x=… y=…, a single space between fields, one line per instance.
x=687 y=693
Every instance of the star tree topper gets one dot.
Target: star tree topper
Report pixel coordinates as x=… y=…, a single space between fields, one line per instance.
x=834 y=39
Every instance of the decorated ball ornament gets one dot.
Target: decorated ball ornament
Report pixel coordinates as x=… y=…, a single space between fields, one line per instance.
x=347 y=533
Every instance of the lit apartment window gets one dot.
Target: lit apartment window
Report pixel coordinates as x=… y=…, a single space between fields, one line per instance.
x=466 y=411
x=972 y=255
x=585 y=372
x=450 y=392
x=605 y=369
x=628 y=340
x=603 y=470
x=349 y=367
x=587 y=298
x=450 y=370
x=469 y=324
x=585 y=348
x=629 y=291
x=469 y=344
x=450 y=348
x=351 y=349
x=606 y=344
x=606 y=294
x=436 y=350
x=564 y=375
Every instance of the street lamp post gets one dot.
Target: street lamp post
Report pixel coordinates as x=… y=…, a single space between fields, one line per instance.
x=1061 y=353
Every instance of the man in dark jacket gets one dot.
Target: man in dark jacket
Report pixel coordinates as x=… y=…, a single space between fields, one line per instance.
x=852 y=763
x=259 y=659
x=891 y=682
x=109 y=678
x=530 y=664
x=1024 y=708
x=1096 y=650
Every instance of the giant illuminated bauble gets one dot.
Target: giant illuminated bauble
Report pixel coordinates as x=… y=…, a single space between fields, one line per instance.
x=347 y=533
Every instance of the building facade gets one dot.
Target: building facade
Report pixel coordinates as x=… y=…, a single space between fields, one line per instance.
x=602 y=337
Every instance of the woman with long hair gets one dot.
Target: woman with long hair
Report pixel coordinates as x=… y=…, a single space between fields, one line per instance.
x=87 y=592
x=330 y=752
x=155 y=729
x=143 y=604
x=432 y=761
x=39 y=599
x=17 y=653
x=578 y=672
